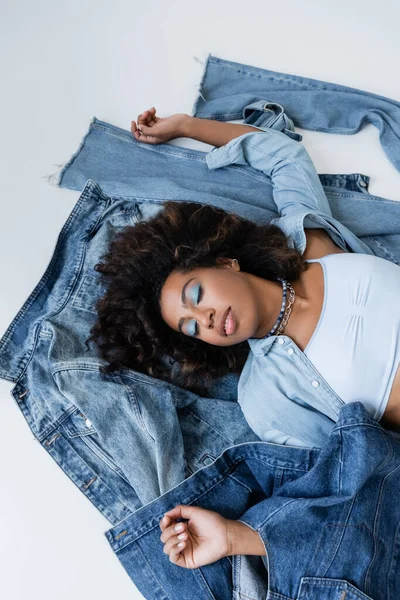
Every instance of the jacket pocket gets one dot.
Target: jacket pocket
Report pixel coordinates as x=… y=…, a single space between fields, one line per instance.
x=313 y=588
x=78 y=425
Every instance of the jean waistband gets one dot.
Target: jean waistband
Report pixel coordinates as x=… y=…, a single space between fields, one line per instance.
x=355 y=182
x=55 y=286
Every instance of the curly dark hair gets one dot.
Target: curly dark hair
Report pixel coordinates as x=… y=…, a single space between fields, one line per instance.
x=130 y=331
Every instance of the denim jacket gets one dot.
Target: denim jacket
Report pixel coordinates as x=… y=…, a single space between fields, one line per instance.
x=329 y=521
x=126 y=438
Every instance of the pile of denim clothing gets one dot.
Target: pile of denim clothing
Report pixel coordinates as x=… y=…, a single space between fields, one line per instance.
x=137 y=446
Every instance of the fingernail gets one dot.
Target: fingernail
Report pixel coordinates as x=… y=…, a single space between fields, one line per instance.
x=181 y=544
x=180 y=537
x=179 y=527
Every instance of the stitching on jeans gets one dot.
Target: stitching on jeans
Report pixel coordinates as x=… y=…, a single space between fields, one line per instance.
x=296 y=166
x=376 y=524
x=273 y=78
x=385 y=250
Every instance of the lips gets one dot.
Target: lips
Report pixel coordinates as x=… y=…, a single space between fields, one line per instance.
x=220 y=327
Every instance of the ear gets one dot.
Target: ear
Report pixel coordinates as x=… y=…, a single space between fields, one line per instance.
x=228 y=263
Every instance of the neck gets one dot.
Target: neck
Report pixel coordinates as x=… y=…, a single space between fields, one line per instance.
x=269 y=303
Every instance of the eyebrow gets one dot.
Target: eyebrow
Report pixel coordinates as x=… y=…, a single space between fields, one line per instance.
x=183 y=299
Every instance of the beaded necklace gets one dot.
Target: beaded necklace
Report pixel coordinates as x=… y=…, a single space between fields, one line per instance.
x=284 y=314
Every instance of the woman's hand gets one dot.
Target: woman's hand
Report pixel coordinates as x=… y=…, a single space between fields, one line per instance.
x=151 y=129
x=205 y=537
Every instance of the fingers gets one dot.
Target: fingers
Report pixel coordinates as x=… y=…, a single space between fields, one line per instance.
x=142 y=128
x=135 y=131
x=174 y=539
x=181 y=511
x=142 y=133
x=173 y=530
x=147 y=118
x=164 y=523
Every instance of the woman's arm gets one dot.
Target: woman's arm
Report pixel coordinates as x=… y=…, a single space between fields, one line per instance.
x=297 y=191
x=295 y=180
x=151 y=129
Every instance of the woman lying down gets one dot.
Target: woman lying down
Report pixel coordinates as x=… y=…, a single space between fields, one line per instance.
x=299 y=307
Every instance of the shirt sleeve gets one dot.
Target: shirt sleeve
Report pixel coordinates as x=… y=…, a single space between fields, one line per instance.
x=297 y=191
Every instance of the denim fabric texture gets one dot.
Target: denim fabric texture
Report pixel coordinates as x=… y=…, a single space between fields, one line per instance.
x=323 y=516
x=126 y=439
x=311 y=104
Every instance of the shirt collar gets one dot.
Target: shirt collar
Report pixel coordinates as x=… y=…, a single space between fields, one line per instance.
x=261 y=346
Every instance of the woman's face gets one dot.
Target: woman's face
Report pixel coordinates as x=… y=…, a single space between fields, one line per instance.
x=214 y=304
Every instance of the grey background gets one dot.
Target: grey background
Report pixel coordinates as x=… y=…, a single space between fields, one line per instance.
x=61 y=64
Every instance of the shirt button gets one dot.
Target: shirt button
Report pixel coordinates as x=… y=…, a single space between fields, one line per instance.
x=88 y=423
x=290 y=351
x=363 y=183
x=281 y=341
x=315 y=383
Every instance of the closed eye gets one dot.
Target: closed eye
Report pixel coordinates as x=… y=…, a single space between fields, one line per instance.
x=195 y=294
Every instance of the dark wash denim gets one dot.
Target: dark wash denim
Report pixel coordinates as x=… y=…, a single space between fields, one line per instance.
x=105 y=432
x=329 y=520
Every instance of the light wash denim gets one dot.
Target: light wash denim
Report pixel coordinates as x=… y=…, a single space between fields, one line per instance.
x=329 y=521
x=124 y=439
x=227 y=87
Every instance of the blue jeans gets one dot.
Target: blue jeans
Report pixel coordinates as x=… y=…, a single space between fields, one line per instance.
x=330 y=521
x=227 y=87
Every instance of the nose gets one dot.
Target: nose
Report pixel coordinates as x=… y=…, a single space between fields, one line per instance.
x=207 y=318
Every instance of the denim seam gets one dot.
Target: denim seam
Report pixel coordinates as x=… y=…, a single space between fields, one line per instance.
x=86 y=439
x=358 y=424
x=294 y=79
x=67 y=294
x=72 y=366
x=133 y=401
x=56 y=424
x=220 y=477
x=394 y=560
x=209 y=425
x=88 y=493
x=167 y=596
x=359 y=195
x=385 y=250
x=74 y=213
x=260 y=76
x=295 y=165
x=367 y=580
x=241 y=483
x=340 y=532
x=95 y=368
x=275 y=512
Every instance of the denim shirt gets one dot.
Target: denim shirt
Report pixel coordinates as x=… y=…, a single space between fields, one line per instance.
x=283 y=397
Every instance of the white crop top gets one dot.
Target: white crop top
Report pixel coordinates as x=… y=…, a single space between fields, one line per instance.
x=356 y=344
